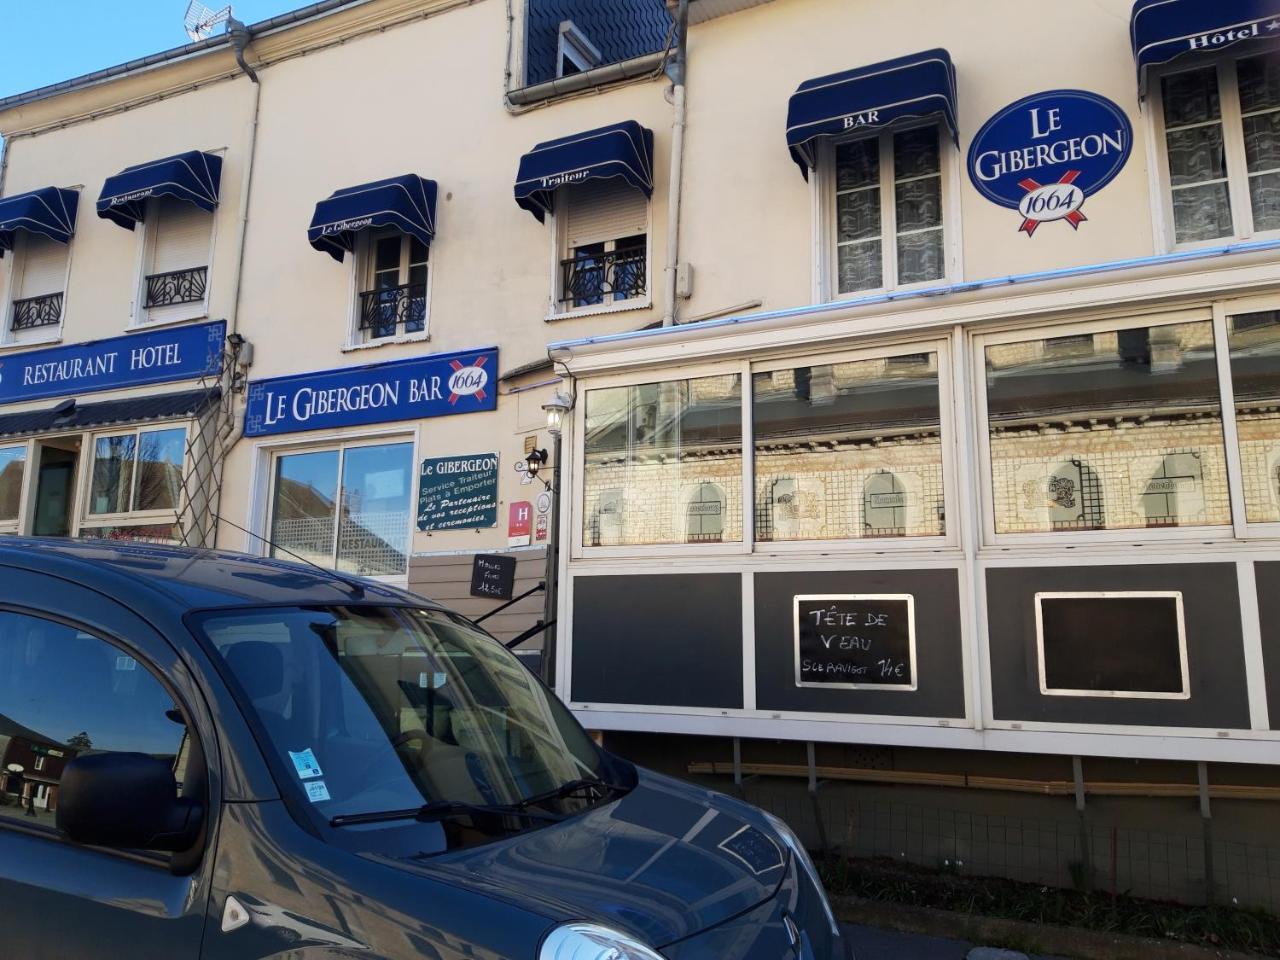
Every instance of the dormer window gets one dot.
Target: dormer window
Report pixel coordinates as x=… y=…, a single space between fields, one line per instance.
x=574 y=52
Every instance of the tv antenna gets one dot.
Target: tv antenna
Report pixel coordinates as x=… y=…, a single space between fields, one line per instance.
x=200 y=20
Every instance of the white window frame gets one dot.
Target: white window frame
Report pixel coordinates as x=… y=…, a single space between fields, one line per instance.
x=139 y=313
x=1065 y=539
x=19 y=523
x=826 y=280
x=362 y=263
x=265 y=455
x=129 y=518
x=931 y=343
x=560 y=251
x=941 y=345
x=1233 y=143
x=13 y=278
x=572 y=45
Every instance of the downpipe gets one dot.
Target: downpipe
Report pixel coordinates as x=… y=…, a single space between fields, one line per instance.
x=677 y=72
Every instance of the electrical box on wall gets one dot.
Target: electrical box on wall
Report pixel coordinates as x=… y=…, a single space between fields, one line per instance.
x=684 y=281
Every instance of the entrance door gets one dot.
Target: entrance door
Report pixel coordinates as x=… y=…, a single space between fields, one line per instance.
x=55 y=488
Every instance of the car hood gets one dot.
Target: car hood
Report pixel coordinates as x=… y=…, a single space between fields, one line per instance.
x=663 y=862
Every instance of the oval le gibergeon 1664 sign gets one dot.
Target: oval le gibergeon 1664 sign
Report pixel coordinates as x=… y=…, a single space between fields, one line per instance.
x=1045 y=154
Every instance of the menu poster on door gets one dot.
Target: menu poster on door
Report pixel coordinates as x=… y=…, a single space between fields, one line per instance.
x=855 y=641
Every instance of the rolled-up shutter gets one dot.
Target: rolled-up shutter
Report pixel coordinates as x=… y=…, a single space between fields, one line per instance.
x=601 y=210
x=43 y=267
x=182 y=232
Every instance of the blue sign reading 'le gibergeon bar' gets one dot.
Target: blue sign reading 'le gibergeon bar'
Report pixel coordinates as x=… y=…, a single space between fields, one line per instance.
x=1044 y=154
x=420 y=387
x=158 y=356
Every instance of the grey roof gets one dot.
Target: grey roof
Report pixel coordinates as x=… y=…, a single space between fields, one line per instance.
x=175 y=53
x=160 y=406
x=620 y=29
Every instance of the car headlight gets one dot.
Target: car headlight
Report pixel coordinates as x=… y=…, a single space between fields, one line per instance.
x=788 y=837
x=588 y=941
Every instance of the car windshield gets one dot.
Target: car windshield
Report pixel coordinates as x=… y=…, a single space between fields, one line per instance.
x=374 y=712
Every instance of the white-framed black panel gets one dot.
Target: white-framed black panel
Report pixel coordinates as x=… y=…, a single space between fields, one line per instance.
x=939 y=657
x=1209 y=592
x=658 y=640
x=1267 y=575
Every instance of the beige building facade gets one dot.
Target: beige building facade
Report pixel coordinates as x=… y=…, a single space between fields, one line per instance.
x=1029 y=435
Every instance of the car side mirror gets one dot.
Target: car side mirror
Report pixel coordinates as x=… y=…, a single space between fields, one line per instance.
x=126 y=800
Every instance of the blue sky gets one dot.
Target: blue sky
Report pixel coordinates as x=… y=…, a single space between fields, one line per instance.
x=92 y=34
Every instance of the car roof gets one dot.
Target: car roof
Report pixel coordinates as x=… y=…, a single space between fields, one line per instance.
x=187 y=578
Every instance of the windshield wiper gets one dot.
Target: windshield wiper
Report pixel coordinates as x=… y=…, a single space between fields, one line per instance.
x=602 y=787
x=440 y=810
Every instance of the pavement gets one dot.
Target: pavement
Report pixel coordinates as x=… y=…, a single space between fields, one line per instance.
x=874 y=943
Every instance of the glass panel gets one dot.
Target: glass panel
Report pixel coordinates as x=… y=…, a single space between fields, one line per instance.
x=920 y=256
x=418 y=252
x=1202 y=213
x=1259 y=79
x=858 y=215
x=1123 y=433
x=919 y=204
x=63 y=692
x=1262 y=141
x=858 y=164
x=304 y=505
x=915 y=153
x=13 y=462
x=1254 y=342
x=160 y=455
x=664 y=463
x=849 y=450
x=1264 y=194
x=386 y=261
x=373 y=525
x=1194 y=146
x=136 y=533
x=112 y=485
x=859 y=266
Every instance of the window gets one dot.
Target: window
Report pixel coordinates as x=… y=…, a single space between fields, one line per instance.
x=38 y=283
x=136 y=481
x=848 y=449
x=345 y=507
x=62 y=692
x=1124 y=434
x=664 y=463
x=1254 y=342
x=887 y=228
x=393 y=298
x=177 y=244
x=1222 y=147
x=574 y=52
x=604 y=228
x=13 y=464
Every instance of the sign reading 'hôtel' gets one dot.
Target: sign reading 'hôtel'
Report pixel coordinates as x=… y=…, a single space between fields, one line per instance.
x=420 y=387
x=1045 y=154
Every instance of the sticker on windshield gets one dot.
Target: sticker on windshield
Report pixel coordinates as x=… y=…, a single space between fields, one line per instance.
x=305 y=763
x=317 y=791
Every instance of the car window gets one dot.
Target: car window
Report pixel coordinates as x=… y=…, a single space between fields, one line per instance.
x=63 y=693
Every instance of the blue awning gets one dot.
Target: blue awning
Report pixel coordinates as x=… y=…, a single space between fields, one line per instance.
x=1161 y=30
x=49 y=211
x=870 y=98
x=192 y=176
x=620 y=150
x=407 y=203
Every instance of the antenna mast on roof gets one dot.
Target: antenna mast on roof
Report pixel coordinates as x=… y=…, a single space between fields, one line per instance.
x=200 y=20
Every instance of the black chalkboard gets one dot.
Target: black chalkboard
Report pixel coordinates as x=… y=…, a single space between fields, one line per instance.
x=493 y=576
x=1112 y=643
x=855 y=641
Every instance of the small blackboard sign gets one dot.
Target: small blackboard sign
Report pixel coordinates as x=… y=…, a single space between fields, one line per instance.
x=493 y=575
x=856 y=641
x=1112 y=644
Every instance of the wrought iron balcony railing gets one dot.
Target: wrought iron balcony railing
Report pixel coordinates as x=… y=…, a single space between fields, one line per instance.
x=32 y=312
x=394 y=310
x=588 y=279
x=176 y=286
